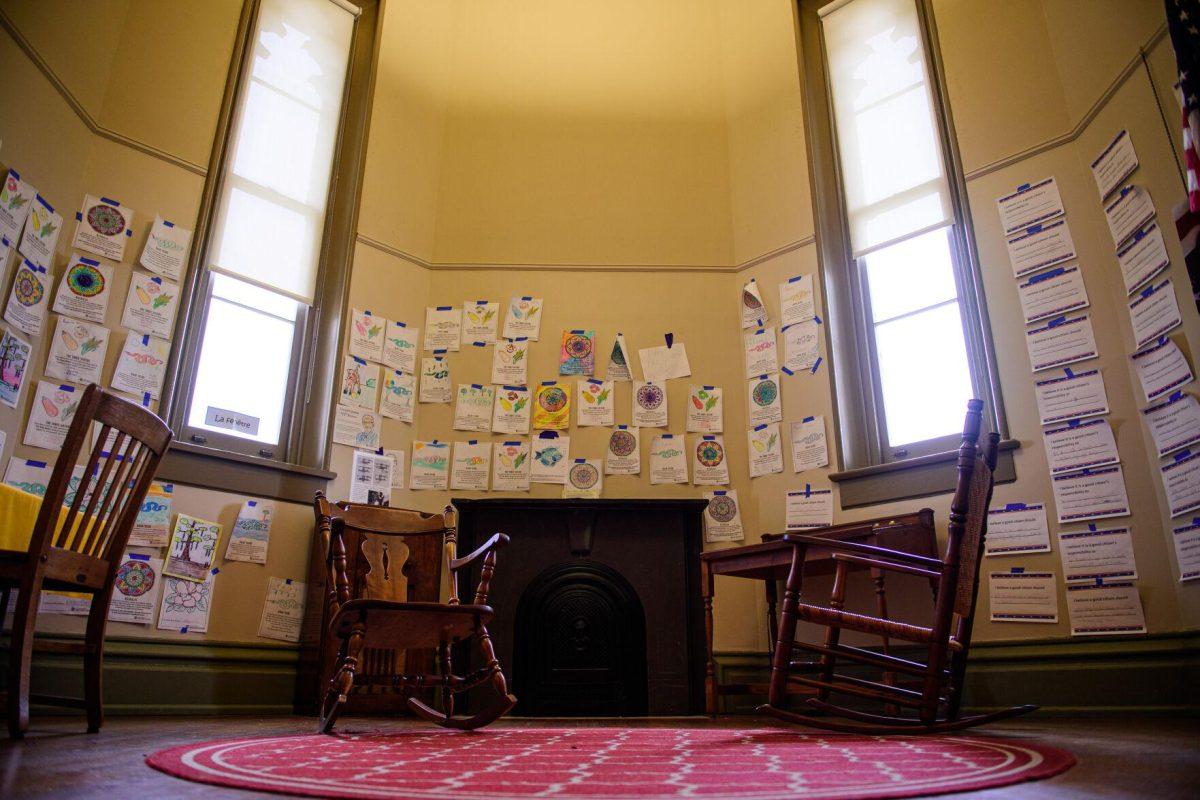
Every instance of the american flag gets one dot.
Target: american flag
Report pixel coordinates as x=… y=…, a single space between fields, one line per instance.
x=1183 y=21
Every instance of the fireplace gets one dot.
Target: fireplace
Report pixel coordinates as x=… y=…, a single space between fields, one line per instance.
x=598 y=608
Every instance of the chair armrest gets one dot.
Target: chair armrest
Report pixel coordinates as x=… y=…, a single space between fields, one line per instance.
x=863 y=549
x=497 y=541
x=879 y=563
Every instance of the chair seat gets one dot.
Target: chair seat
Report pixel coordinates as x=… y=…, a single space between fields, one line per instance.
x=409 y=625
x=863 y=623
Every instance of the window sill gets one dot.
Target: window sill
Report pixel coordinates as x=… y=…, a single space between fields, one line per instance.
x=209 y=468
x=914 y=477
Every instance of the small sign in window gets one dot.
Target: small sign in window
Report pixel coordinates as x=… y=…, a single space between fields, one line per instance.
x=231 y=420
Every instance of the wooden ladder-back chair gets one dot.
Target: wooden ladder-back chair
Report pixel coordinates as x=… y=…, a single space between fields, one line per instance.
x=78 y=547
x=380 y=611
x=937 y=696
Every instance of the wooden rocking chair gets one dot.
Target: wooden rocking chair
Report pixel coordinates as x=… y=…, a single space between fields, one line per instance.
x=937 y=695
x=377 y=623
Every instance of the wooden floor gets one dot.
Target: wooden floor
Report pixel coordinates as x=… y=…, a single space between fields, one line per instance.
x=1126 y=757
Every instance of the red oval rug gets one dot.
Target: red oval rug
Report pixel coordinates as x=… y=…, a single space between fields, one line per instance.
x=611 y=764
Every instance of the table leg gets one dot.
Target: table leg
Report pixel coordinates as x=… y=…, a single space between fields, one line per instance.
x=710 y=665
x=772 y=620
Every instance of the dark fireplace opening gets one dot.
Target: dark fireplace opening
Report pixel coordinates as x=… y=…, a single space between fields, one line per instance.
x=580 y=644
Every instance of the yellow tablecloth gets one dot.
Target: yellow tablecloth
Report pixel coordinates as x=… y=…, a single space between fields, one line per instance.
x=18 y=512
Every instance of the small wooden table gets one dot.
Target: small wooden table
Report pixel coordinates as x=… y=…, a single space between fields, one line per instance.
x=770 y=561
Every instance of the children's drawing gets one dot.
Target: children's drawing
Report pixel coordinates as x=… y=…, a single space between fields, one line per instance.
x=193 y=548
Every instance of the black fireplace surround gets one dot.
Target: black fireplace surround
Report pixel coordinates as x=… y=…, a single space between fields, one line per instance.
x=598 y=609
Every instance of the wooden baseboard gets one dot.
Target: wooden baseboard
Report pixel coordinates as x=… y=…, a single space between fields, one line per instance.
x=1145 y=675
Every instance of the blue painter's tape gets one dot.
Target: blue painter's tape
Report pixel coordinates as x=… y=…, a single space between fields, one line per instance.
x=808 y=419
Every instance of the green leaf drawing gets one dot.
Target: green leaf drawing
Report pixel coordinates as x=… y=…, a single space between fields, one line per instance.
x=519 y=460
x=600 y=398
x=47 y=229
x=771 y=441
x=373 y=331
x=89 y=345
x=517 y=406
x=709 y=403
x=161 y=300
x=491 y=312
x=17 y=201
x=517 y=356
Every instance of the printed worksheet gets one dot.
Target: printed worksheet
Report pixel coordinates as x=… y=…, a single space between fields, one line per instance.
x=193 y=548
x=400 y=346
x=1090 y=494
x=1023 y=597
x=430 y=465
x=808 y=508
x=473 y=407
x=399 y=462
x=1187 y=550
x=524 y=319
x=1128 y=212
x=1143 y=257
x=16 y=200
x=77 y=351
x=1061 y=341
x=710 y=467
x=511 y=412
x=551 y=406
x=551 y=457
x=29 y=476
x=435 y=380
x=1153 y=311
x=1073 y=396
x=283 y=610
x=443 y=328
x=762 y=356
x=50 y=415
x=705 y=410
x=1115 y=163
x=754 y=313
x=355 y=426
x=796 y=302
x=1105 y=609
x=765 y=449
x=1092 y=555
x=42 y=227
x=1017 y=529
x=810 y=449
x=1052 y=293
x=29 y=300
x=1078 y=445
x=722 y=517
x=84 y=290
x=584 y=479
x=166 y=249
x=618 y=368
x=371 y=478
x=1040 y=246
x=360 y=383
x=1174 y=423
x=186 y=605
x=1181 y=479
x=764 y=403
x=136 y=589
x=15 y=353
x=103 y=226
x=649 y=404
x=597 y=403
x=1030 y=204
x=398 y=399
x=469 y=470
x=510 y=362
x=481 y=318
x=1161 y=369
x=152 y=528
x=665 y=362
x=367 y=334
x=142 y=365
x=251 y=535
x=577 y=352
x=510 y=466
x=623 y=456
x=668 y=460
x=801 y=346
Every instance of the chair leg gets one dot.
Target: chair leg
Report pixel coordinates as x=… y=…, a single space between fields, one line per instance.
x=20 y=654
x=93 y=662
x=777 y=693
x=837 y=601
x=342 y=682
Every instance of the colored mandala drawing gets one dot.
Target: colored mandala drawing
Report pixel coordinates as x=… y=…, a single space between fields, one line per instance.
x=722 y=508
x=135 y=578
x=577 y=346
x=765 y=393
x=85 y=280
x=650 y=397
x=552 y=399
x=105 y=220
x=750 y=301
x=622 y=443
x=28 y=289
x=710 y=454
x=583 y=476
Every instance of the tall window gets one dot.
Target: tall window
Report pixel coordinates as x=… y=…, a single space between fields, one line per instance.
x=907 y=249
x=262 y=257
